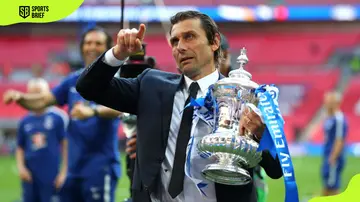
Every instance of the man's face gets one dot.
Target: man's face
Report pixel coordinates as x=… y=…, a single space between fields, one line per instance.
x=37 y=88
x=94 y=46
x=330 y=101
x=190 y=47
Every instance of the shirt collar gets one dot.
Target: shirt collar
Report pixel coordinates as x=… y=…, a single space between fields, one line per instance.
x=204 y=82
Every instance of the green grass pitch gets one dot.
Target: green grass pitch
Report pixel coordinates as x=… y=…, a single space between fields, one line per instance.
x=307 y=170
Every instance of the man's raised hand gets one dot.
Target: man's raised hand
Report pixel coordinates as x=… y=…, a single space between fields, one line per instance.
x=12 y=96
x=129 y=42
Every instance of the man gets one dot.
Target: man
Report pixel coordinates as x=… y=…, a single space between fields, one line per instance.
x=94 y=166
x=158 y=99
x=41 y=144
x=335 y=131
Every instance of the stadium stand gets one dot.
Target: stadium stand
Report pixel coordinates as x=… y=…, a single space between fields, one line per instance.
x=37 y=47
x=271 y=50
x=301 y=93
x=267 y=51
x=350 y=107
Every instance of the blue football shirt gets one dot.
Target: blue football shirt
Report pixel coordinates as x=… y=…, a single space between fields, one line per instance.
x=40 y=137
x=335 y=127
x=93 y=142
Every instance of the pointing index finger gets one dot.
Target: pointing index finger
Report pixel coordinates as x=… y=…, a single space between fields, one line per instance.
x=141 y=33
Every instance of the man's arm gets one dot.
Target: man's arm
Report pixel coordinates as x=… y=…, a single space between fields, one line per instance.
x=271 y=166
x=97 y=83
x=20 y=144
x=107 y=113
x=61 y=177
x=61 y=137
x=36 y=101
x=63 y=126
x=64 y=156
x=19 y=155
x=30 y=101
x=338 y=147
x=24 y=173
x=339 y=139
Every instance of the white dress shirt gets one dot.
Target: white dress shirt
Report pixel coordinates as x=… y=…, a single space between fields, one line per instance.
x=190 y=192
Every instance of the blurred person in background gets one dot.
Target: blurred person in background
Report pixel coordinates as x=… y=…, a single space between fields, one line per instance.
x=335 y=132
x=41 y=146
x=259 y=172
x=225 y=65
x=94 y=159
x=129 y=127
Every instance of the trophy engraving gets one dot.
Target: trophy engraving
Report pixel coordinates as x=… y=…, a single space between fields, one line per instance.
x=233 y=153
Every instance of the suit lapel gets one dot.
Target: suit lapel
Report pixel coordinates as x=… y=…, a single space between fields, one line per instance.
x=167 y=99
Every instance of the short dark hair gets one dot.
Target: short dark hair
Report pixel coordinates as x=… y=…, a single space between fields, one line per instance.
x=208 y=25
x=109 y=40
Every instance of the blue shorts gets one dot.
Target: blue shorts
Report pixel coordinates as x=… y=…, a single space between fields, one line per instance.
x=100 y=187
x=34 y=192
x=331 y=175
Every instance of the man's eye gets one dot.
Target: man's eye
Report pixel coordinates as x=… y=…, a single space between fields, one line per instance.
x=189 y=36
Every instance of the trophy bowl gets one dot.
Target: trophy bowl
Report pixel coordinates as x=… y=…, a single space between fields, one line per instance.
x=233 y=153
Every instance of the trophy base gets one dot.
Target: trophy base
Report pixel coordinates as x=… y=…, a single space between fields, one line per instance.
x=229 y=174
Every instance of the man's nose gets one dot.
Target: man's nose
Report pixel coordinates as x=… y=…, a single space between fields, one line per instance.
x=181 y=46
x=92 y=46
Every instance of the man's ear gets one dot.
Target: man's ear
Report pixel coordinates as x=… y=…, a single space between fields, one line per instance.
x=216 y=44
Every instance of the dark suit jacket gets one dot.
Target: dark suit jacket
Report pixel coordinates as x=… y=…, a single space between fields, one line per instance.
x=150 y=96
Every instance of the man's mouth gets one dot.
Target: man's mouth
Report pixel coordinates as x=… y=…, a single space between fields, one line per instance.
x=185 y=59
x=93 y=54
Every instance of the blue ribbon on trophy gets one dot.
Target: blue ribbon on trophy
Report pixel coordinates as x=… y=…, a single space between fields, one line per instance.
x=205 y=107
x=274 y=137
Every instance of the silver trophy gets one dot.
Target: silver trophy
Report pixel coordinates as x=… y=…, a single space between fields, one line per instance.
x=233 y=153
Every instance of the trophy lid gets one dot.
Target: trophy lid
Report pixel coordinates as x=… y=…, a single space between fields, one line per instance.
x=240 y=73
